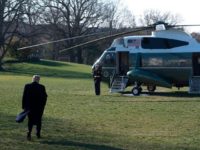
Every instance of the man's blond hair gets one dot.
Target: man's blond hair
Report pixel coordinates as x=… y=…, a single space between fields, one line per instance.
x=36 y=78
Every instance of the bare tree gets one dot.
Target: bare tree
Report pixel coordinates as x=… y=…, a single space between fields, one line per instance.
x=126 y=19
x=110 y=14
x=30 y=28
x=70 y=18
x=10 y=12
x=152 y=16
x=118 y=16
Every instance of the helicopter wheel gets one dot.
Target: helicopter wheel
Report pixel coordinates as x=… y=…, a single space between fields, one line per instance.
x=136 y=91
x=151 y=88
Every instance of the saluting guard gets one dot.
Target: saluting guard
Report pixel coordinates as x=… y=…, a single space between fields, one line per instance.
x=97 y=75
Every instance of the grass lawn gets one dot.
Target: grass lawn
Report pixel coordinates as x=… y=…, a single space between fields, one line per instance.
x=75 y=118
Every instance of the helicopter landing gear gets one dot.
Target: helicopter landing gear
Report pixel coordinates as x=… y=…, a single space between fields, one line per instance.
x=151 y=88
x=136 y=90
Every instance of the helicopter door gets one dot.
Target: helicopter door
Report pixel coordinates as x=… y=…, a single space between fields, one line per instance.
x=122 y=63
x=196 y=64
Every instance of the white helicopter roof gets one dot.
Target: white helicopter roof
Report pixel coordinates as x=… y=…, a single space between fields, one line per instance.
x=171 y=34
x=134 y=42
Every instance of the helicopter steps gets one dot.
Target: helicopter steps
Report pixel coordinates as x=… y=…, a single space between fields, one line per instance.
x=194 y=85
x=119 y=84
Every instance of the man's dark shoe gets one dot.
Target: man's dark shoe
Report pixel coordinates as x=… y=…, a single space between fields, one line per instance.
x=29 y=136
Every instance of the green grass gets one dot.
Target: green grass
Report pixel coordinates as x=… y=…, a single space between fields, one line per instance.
x=50 y=69
x=75 y=118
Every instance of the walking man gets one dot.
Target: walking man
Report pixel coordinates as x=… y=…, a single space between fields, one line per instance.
x=34 y=99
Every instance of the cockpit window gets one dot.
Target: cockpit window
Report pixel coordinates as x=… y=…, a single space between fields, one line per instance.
x=119 y=41
x=108 y=59
x=161 y=43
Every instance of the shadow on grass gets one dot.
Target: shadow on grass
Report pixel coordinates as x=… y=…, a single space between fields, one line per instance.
x=51 y=63
x=7 y=122
x=41 y=62
x=183 y=94
x=175 y=94
x=14 y=134
x=51 y=73
x=56 y=131
x=46 y=71
x=81 y=145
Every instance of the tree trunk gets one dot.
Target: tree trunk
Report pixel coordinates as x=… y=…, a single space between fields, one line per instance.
x=72 y=57
x=1 y=65
x=79 y=55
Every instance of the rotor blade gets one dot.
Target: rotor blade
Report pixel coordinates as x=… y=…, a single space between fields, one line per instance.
x=103 y=38
x=173 y=25
x=184 y=25
x=61 y=40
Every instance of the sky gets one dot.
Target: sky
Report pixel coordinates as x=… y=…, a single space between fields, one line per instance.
x=189 y=10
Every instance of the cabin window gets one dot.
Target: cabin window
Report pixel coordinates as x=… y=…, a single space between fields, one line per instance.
x=161 y=43
x=134 y=43
x=166 y=60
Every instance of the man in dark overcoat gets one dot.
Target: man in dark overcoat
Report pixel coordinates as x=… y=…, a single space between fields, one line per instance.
x=34 y=99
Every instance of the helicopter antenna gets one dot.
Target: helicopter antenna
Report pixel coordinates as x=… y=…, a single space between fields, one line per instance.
x=61 y=40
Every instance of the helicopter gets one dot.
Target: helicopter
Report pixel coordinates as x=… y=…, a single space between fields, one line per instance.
x=166 y=58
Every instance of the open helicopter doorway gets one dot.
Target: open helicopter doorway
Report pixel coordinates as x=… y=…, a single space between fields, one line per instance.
x=122 y=63
x=196 y=64
x=194 y=83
